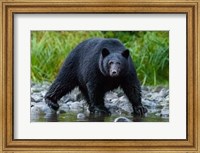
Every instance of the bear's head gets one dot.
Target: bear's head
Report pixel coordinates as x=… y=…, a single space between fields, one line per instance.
x=114 y=64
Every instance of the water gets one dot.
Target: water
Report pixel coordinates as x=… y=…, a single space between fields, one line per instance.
x=72 y=117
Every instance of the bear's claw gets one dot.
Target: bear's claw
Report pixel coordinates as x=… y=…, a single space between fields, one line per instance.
x=52 y=105
x=139 y=111
x=99 y=111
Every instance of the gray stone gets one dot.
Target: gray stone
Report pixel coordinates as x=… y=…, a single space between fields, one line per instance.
x=157 y=89
x=148 y=103
x=64 y=108
x=80 y=116
x=126 y=107
x=165 y=112
x=76 y=106
x=156 y=99
x=43 y=93
x=32 y=99
x=122 y=119
x=163 y=93
x=36 y=97
x=66 y=99
x=144 y=88
x=32 y=104
x=110 y=96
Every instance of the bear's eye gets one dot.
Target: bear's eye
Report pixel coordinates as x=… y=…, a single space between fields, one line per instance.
x=110 y=63
x=118 y=63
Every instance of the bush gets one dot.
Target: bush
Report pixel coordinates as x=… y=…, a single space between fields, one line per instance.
x=149 y=50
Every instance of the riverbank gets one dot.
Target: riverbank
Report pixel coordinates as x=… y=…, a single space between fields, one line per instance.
x=74 y=108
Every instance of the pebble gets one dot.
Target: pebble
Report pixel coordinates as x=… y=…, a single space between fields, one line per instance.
x=122 y=119
x=80 y=116
x=156 y=99
x=76 y=106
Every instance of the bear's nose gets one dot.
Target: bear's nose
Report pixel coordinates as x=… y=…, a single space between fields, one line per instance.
x=114 y=72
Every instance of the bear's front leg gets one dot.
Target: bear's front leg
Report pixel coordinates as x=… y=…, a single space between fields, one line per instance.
x=133 y=92
x=96 y=100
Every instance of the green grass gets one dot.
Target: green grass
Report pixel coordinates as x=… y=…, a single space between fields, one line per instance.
x=149 y=51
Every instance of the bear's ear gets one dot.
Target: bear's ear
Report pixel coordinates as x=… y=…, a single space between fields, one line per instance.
x=125 y=53
x=105 y=52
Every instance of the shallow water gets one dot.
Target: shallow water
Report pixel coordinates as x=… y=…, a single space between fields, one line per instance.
x=72 y=117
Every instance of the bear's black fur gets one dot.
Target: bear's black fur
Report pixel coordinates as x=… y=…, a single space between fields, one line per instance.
x=96 y=66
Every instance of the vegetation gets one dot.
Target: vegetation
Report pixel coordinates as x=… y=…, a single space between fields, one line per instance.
x=149 y=51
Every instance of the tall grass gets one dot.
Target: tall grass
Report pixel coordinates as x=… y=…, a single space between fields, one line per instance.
x=149 y=51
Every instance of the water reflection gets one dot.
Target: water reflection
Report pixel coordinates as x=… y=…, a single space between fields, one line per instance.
x=51 y=117
x=72 y=117
x=94 y=118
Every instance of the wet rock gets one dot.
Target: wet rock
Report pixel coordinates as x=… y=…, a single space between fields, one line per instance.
x=64 y=108
x=110 y=96
x=144 y=88
x=43 y=93
x=164 y=112
x=155 y=99
x=41 y=108
x=66 y=99
x=76 y=106
x=32 y=104
x=32 y=99
x=148 y=103
x=81 y=116
x=163 y=93
x=36 y=97
x=157 y=89
x=122 y=119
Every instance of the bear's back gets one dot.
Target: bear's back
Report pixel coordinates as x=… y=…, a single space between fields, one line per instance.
x=94 y=46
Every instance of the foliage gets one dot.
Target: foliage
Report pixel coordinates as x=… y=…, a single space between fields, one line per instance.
x=149 y=51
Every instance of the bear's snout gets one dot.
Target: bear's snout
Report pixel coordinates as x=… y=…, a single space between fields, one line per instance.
x=114 y=70
x=113 y=73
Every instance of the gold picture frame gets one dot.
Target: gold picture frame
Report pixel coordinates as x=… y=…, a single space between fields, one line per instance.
x=10 y=7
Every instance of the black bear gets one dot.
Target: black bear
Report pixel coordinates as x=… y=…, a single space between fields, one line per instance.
x=96 y=66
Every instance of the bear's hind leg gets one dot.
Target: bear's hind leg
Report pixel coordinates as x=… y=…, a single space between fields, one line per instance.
x=57 y=90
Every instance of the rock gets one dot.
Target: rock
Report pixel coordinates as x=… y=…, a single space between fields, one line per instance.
x=62 y=111
x=122 y=119
x=156 y=99
x=115 y=110
x=32 y=104
x=32 y=99
x=119 y=92
x=165 y=112
x=126 y=107
x=157 y=89
x=66 y=99
x=110 y=96
x=75 y=95
x=36 y=97
x=41 y=108
x=36 y=88
x=80 y=116
x=36 y=110
x=123 y=99
x=32 y=84
x=64 y=108
x=114 y=101
x=148 y=103
x=76 y=106
x=144 y=88
x=158 y=114
x=43 y=93
x=163 y=93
